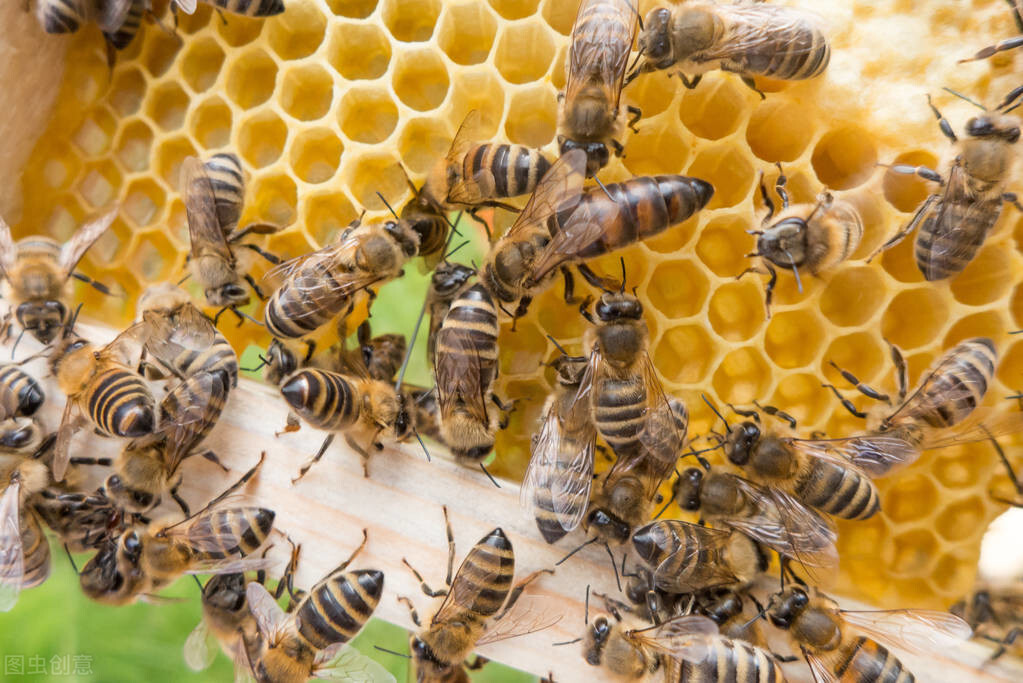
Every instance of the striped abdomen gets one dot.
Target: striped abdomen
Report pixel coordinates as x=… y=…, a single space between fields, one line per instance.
x=732 y=661
x=794 y=48
x=637 y=209
x=862 y=660
x=59 y=16
x=839 y=491
x=562 y=475
x=292 y=314
x=217 y=358
x=605 y=26
x=30 y=395
x=955 y=385
x=516 y=169
x=120 y=403
x=619 y=411
x=949 y=238
x=249 y=526
x=125 y=33
x=336 y=609
x=683 y=556
x=468 y=336
x=489 y=568
x=225 y=174
x=36 y=567
x=179 y=405
x=251 y=8
x=326 y=400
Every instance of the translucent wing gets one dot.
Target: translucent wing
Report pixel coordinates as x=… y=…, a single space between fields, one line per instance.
x=919 y=631
x=695 y=544
x=465 y=589
x=205 y=530
x=12 y=553
x=325 y=278
x=600 y=53
x=230 y=565
x=462 y=377
x=62 y=446
x=167 y=339
x=8 y=250
x=72 y=252
x=819 y=669
x=270 y=618
x=112 y=13
x=465 y=137
x=875 y=455
x=188 y=412
x=187 y=6
x=528 y=616
x=343 y=662
x=559 y=190
x=575 y=233
x=200 y=647
x=753 y=30
x=785 y=525
x=683 y=636
x=204 y=229
x=981 y=425
x=664 y=434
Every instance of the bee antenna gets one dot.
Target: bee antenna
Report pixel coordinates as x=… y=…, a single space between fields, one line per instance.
x=452 y=252
x=577 y=549
x=567 y=642
x=18 y=341
x=621 y=259
x=795 y=271
x=658 y=515
x=408 y=352
x=961 y=96
x=388 y=206
x=715 y=410
x=604 y=188
x=454 y=230
x=1016 y=332
x=586 y=614
x=1011 y=97
x=263 y=362
x=391 y=652
x=756 y=617
x=489 y=476
x=70 y=559
x=184 y=279
x=614 y=566
x=420 y=440
x=557 y=345
x=198 y=582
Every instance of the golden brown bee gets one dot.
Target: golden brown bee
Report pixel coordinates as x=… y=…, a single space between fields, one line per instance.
x=248 y=8
x=557 y=481
x=465 y=368
x=24 y=550
x=319 y=286
x=20 y=398
x=66 y=16
x=446 y=283
x=769 y=516
x=37 y=274
x=688 y=557
x=220 y=538
x=684 y=648
x=310 y=642
x=471 y=613
x=101 y=389
x=590 y=116
x=815 y=237
x=181 y=339
x=213 y=193
x=995 y=613
x=842 y=645
x=549 y=235
x=475 y=174
x=743 y=38
x=955 y=222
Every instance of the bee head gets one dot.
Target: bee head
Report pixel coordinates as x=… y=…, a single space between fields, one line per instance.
x=130 y=498
x=404 y=235
x=23 y=434
x=281 y=362
x=788 y=607
x=448 y=278
x=597 y=154
x=655 y=40
x=740 y=442
x=42 y=319
x=225 y=592
x=688 y=487
x=596 y=639
x=994 y=125
x=614 y=306
x=608 y=526
x=231 y=295
x=784 y=243
x=723 y=607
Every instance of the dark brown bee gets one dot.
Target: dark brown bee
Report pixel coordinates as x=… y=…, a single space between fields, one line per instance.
x=814 y=237
x=728 y=609
x=557 y=481
x=312 y=639
x=227 y=624
x=446 y=283
x=248 y=8
x=24 y=550
x=25 y=391
x=747 y=39
x=995 y=613
x=37 y=274
x=429 y=222
x=831 y=641
x=590 y=116
x=475 y=174
x=82 y=521
x=955 y=222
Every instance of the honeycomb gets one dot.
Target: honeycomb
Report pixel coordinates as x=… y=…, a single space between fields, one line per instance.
x=322 y=102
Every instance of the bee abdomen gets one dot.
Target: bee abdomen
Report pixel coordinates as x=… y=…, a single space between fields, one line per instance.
x=837 y=490
x=121 y=38
x=554 y=524
x=337 y=608
x=225 y=173
x=619 y=411
x=866 y=661
x=964 y=374
x=490 y=567
x=289 y=315
x=250 y=525
x=59 y=16
x=324 y=399
x=945 y=247
x=516 y=169
x=25 y=387
x=121 y=404
x=471 y=323
x=251 y=8
x=36 y=550
x=803 y=52
x=733 y=661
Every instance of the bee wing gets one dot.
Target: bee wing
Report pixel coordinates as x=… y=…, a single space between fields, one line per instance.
x=72 y=252
x=230 y=565
x=787 y=526
x=559 y=190
x=702 y=541
x=527 y=616
x=12 y=553
x=188 y=412
x=8 y=250
x=819 y=669
x=62 y=446
x=664 y=432
x=270 y=618
x=189 y=331
x=187 y=6
x=204 y=230
x=581 y=229
x=465 y=137
x=316 y=278
x=684 y=637
x=919 y=631
x=200 y=647
x=600 y=55
x=203 y=530
x=755 y=28
x=875 y=454
x=457 y=382
x=981 y=425
x=342 y=662
x=111 y=14
x=465 y=589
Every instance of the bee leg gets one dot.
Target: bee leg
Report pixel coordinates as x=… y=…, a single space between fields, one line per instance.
x=98 y=286
x=990 y=50
x=429 y=592
x=584 y=310
x=687 y=82
x=451 y=547
x=291 y=425
x=220 y=14
x=752 y=85
x=316 y=458
x=253 y=229
x=569 y=285
x=775 y=412
x=605 y=452
x=1009 y=639
x=478 y=663
x=943 y=124
x=310 y=348
x=517 y=590
x=769 y=288
x=212 y=457
x=1011 y=198
x=909 y=227
x=864 y=389
x=355 y=553
x=744 y=413
x=272 y=258
x=180 y=501
x=618 y=148
x=411 y=610
x=475 y=217
x=636 y=113
x=779 y=187
x=105 y=462
x=846 y=403
x=255 y=287
x=901 y=371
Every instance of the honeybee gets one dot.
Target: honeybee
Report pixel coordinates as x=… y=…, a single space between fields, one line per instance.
x=590 y=117
x=842 y=645
x=524 y=261
x=310 y=642
x=815 y=236
x=57 y=16
x=767 y=515
x=727 y=608
x=471 y=613
x=475 y=174
x=248 y=8
x=446 y=283
x=20 y=398
x=1008 y=43
x=213 y=192
x=119 y=34
x=995 y=613
x=557 y=482
x=82 y=521
x=743 y=38
x=684 y=648
x=220 y=538
x=318 y=286
x=955 y=222
x=427 y=220
x=37 y=274
x=24 y=550
x=100 y=388
x=181 y=339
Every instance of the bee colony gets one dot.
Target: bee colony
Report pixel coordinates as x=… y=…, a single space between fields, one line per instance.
x=338 y=111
